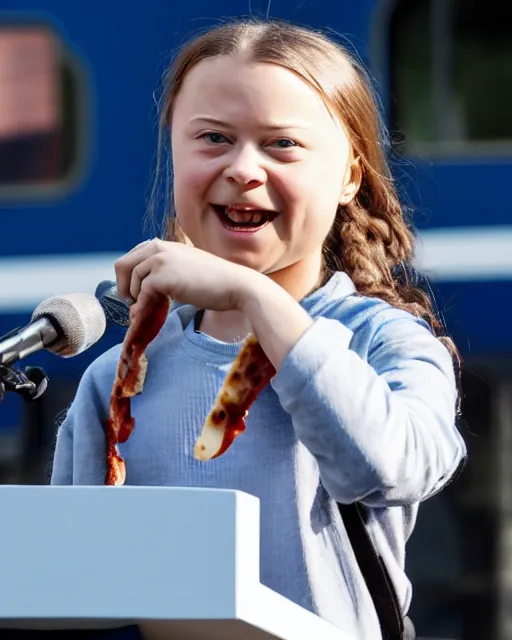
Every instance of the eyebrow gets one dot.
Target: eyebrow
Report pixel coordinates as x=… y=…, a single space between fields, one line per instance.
x=267 y=127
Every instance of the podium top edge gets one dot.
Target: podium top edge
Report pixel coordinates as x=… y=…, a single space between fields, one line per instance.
x=77 y=487
x=190 y=493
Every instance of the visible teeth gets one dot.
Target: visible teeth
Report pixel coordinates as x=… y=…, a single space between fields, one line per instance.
x=244 y=217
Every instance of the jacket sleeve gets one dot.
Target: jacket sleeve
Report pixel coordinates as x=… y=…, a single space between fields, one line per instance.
x=62 y=468
x=80 y=450
x=382 y=428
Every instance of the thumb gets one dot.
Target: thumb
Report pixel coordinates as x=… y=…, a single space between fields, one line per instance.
x=143 y=305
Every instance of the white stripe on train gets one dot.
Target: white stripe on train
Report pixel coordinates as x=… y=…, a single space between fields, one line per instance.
x=456 y=255
x=27 y=280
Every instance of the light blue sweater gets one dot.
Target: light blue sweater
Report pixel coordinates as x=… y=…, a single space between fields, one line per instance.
x=363 y=408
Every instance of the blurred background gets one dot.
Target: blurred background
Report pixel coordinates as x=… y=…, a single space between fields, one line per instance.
x=77 y=145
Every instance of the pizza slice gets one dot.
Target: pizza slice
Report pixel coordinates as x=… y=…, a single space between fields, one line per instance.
x=249 y=374
x=129 y=381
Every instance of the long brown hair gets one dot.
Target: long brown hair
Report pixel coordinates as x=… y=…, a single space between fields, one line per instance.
x=370 y=239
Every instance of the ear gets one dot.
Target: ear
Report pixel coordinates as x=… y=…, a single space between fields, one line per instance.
x=352 y=182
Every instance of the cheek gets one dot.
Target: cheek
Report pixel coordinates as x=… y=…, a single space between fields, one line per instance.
x=315 y=182
x=190 y=185
x=312 y=195
x=190 y=177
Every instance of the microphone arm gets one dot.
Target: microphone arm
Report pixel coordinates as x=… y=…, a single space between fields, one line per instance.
x=20 y=343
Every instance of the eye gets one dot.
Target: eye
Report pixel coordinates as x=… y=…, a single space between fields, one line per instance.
x=285 y=143
x=213 y=137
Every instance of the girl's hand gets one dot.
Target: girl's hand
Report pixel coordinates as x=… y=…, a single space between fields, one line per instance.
x=184 y=273
x=195 y=277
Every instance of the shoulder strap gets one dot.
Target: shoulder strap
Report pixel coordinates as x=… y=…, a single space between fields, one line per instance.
x=374 y=572
x=371 y=565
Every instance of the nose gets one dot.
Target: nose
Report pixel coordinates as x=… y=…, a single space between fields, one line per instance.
x=245 y=169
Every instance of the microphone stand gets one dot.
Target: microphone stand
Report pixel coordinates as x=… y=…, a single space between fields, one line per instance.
x=30 y=384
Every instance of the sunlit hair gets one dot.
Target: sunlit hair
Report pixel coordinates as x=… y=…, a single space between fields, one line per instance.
x=370 y=239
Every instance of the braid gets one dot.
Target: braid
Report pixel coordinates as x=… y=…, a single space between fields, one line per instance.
x=375 y=250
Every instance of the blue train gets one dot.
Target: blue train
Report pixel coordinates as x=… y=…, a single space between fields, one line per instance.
x=77 y=145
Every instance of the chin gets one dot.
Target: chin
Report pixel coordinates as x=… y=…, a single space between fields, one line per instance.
x=251 y=261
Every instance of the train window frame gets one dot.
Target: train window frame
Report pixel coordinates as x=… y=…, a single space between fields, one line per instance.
x=379 y=50
x=72 y=66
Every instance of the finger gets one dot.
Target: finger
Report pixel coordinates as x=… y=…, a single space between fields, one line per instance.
x=140 y=245
x=124 y=266
x=139 y=272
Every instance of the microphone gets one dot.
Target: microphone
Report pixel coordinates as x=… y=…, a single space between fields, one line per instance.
x=116 y=308
x=66 y=325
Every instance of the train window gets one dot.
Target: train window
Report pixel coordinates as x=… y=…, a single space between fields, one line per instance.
x=39 y=118
x=450 y=64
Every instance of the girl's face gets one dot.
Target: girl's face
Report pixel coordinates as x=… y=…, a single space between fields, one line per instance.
x=260 y=165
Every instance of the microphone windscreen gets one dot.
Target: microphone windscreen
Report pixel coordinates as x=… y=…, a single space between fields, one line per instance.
x=78 y=316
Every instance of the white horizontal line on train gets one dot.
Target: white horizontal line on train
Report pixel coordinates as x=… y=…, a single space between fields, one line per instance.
x=446 y=255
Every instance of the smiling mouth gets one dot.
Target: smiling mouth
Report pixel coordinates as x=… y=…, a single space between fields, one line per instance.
x=243 y=220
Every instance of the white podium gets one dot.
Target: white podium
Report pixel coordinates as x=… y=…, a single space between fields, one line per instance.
x=183 y=564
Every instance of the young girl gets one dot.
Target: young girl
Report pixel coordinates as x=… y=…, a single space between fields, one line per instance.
x=286 y=225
